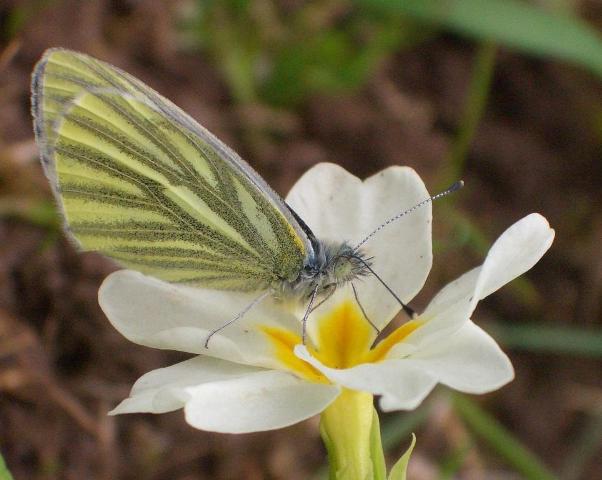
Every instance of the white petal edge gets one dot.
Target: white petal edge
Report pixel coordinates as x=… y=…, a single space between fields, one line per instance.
x=517 y=250
x=339 y=207
x=164 y=390
x=469 y=361
x=402 y=385
x=257 y=402
x=161 y=315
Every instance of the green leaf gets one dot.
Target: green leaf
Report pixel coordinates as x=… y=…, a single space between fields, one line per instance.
x=398 y=472
x=550 y=339
x=4 y=473
x=379 y=467
x=41 y=213
x=512 y=23
x=500 y=440
x=329 y=61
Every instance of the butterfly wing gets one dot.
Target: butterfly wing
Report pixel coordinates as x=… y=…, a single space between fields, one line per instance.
x=139 y=180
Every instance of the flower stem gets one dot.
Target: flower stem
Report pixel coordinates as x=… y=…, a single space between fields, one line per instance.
x=346 y=427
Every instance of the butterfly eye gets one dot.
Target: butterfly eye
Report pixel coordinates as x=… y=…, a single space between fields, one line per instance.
x=310 y=270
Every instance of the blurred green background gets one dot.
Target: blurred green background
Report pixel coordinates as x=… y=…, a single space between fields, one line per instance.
x=505 y=94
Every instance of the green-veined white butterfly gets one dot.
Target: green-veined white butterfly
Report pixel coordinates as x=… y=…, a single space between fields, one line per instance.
x=140 y=181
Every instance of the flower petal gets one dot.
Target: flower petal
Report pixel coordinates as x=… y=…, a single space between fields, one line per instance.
x=513 y=253
x=338 y=207
x=469 y=361
x=157 y=314
x=403 y=385
x=261 y=401
x=164 y=390
x=516 y=251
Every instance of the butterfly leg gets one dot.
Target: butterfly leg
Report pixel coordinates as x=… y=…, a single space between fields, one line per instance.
x=407 y=309
x=237 y=317
x=307 y=312
x=357 y=299
x=331 y=289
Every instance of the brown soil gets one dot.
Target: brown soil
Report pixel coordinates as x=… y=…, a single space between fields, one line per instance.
x=538 y=148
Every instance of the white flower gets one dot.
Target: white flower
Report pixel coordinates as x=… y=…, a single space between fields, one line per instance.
x=257 y=376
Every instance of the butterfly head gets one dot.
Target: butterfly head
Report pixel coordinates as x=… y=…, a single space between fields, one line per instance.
x=343 y=263
x=331 y=265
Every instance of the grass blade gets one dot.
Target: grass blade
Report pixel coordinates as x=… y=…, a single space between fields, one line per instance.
x=511 y=23
x=478 y=93
x=4 y=473
x=584 y=448
x=500 y=440
x=549 y=339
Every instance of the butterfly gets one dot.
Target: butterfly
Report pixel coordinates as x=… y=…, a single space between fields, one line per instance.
x=137 y=179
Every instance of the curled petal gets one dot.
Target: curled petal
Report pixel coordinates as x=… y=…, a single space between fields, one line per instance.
x=516 y=251
x=513 y=253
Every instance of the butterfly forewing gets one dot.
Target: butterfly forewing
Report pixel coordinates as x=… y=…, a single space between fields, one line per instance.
x=140 y=181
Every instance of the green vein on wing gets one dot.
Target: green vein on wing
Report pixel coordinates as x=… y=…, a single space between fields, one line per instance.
x=140 y=183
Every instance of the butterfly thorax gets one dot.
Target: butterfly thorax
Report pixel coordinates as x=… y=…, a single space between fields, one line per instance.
x=331 y=265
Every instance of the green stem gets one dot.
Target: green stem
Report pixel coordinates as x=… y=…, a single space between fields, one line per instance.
x=478 y=93
x=346 y=427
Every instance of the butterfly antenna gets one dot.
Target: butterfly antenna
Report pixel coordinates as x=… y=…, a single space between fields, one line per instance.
x=409 y=311
x=456 y=186
x=238 y=317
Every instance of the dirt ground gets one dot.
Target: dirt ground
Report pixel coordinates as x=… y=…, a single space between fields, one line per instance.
x=538 y=148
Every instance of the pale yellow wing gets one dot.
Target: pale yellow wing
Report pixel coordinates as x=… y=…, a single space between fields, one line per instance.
x=140 y=181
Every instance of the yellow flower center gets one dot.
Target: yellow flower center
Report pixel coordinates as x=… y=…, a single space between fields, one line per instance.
x=344 y=340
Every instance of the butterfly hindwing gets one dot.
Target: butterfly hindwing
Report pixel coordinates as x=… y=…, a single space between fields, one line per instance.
x=140 y=181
